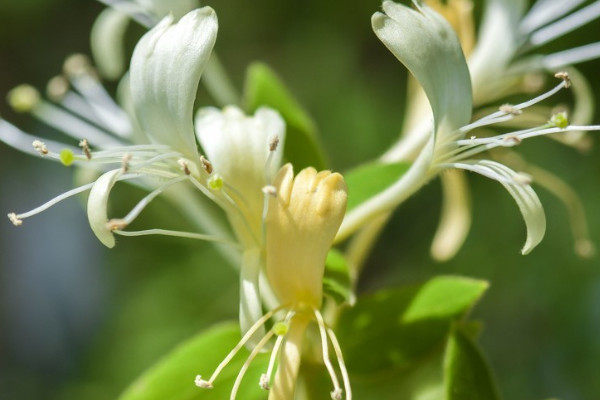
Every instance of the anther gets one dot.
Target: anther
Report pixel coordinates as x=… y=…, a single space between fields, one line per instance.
x=270 y=190
x=206 y=165
x=15 y=220
x=185 y=167
x=40 y=147
x=565 y=77
x=510 y=109
x=125 y=161
x=264 y=382
x=336 y=394
x=523 y=178
x=23 y=98
x=273 y=143
x=85 y=146
x=510 y=141
x=201 y=383
x=116 y=224
x=57 y=88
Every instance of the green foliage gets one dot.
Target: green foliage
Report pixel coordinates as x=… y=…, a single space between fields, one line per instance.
x=336 y=280
x=400 y=326
x=173 y=377
x=370 y=179
x=467 y=375
x=264 y=88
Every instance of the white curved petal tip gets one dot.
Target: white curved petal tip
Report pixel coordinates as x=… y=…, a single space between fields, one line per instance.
x=97 y=205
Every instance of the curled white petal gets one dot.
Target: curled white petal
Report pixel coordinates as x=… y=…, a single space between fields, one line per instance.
x=97 y=204
x=107 y=42
x=250 y=302
x=525 y=197
x=165 y=71
x=428 y=46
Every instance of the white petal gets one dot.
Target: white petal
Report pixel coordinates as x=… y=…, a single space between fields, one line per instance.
x=97 y=204
x=498 y=40
x=238 y=145
x=165 y=71
x=427 y=45
x=162 y=8
x=455 y=220
x=250 y=303
x=107 y=42
x=545 y=11
x=525 y=197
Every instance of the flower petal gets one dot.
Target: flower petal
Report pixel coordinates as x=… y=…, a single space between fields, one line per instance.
x=165 y=71
x=107 y=42
x=250 y=303
x=455 y=220
x=525 y=197
x=427 y=45
x=97 y=204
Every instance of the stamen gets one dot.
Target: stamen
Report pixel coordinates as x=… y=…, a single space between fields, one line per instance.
x=264 y=382
x=510 y=109
x=566 y=25
x=270 y=190
x=116 y=224
x=273 y=143
x=186 y=235
x=184 y=165
x=572 y=56
x=125 y=161
x=336 y=394
x=206 y=165
x=338 y=352
x=40 y=147
x=241 y=343
x=565 y=77
x=251 y=357
x=139 y=207
x=86 y=148
x=14 y=219
x=201 y=383
x=280 y=329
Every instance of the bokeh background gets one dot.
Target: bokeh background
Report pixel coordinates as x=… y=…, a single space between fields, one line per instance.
x=79 y=321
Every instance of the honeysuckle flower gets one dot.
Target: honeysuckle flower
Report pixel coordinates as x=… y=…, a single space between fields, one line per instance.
x=303 y=216
x=428 y=46
x=108 y=31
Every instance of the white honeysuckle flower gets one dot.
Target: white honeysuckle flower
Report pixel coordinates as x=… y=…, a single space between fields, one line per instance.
x=157 y=147
x=504 y=59
x=303 y=215
x=425 y=43
x=108 y=32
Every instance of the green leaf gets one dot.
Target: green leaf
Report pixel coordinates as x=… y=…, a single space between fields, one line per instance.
x=370 y=179
x=264 y=88
x=394 y=328
x=173 y=377
x=467 y=374
x=336 y=280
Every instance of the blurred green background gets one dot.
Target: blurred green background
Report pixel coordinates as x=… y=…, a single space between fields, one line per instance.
x=78 y=321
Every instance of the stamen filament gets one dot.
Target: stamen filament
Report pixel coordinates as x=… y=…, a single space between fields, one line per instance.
x=251 y=357
x=187 y=235
x=342 y=364
x=240 y=344
x=566 y=25
x=336 y=394
x=275 y=351
x=66 y=195
x=572 y=56
x=15 y=137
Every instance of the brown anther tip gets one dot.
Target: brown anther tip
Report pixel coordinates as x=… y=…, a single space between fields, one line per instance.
x=40 y=147
x=274 y=143
x=85 y=146
x=206 y=165
x=510 y=109
x=184 y=166
x=513 y=140
x=125 y=161
x=264 y=382
x=116 y=224
x=201 y=383
x=270 y=190
x=565 y=77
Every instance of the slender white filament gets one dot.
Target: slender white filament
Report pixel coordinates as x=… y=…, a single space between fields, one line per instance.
x=566 y=25
x=251 y=357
